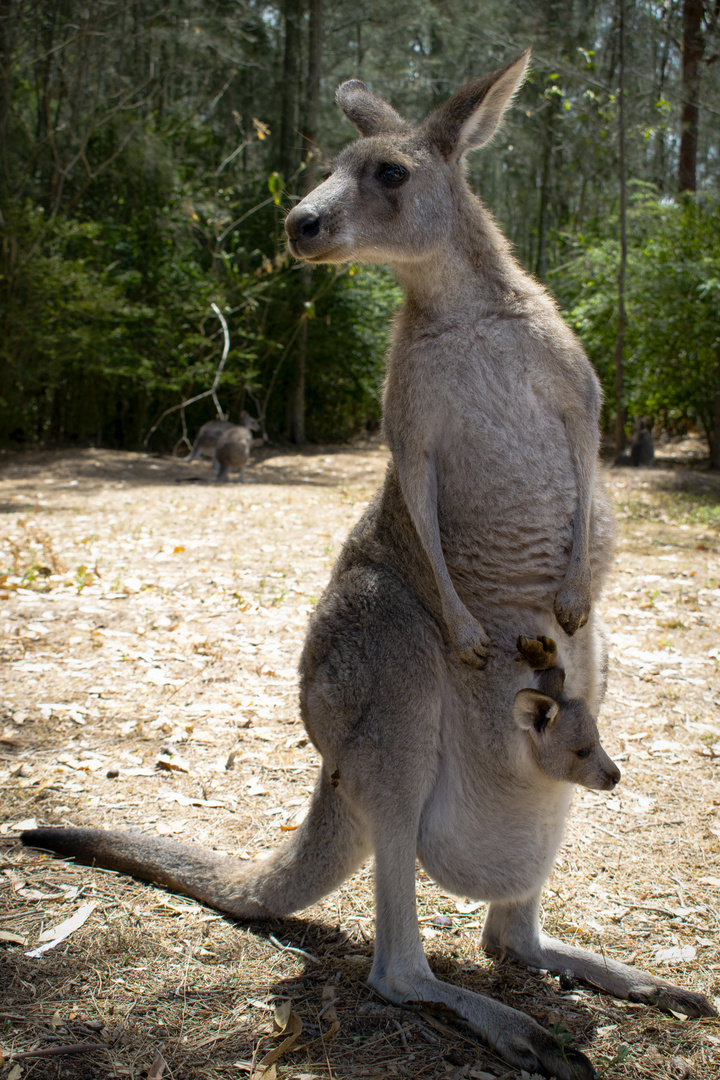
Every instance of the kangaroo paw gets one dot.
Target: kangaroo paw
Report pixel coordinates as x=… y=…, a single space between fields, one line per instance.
x=572 y=605
x=471 y=643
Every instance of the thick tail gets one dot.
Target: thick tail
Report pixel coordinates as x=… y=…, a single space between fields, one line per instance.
x=321 y=854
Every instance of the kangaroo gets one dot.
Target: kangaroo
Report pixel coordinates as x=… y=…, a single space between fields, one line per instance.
x=491 y=510
x=642 y=447
x=234 y=446
x=207 y=439
x=562 y=733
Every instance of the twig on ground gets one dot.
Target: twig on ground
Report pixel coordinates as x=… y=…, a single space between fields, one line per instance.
x=56 y=1051
x=290 y=948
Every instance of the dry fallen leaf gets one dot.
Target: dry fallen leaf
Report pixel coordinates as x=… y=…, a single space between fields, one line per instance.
x=158 y=1067
x=13 y=939
x=288 y=1024
x=328 y=1012
x=55 y=935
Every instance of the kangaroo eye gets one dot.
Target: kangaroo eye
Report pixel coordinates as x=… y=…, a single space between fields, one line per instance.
x=392 y=174
x=585 y=752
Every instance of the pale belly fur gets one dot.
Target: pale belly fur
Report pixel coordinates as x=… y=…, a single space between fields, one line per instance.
x=479 y=841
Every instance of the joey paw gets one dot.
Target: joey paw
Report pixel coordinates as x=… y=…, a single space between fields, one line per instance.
x=572 y=605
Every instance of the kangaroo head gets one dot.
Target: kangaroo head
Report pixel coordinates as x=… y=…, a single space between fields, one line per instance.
x=391 y=195
x=248 y=421
x=564 y=739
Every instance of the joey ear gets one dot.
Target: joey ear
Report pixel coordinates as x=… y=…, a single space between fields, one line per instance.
x=470 y=118
x=370 y=115
x=533 y=711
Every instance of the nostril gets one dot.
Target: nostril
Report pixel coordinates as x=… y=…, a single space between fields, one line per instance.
x=308 y=227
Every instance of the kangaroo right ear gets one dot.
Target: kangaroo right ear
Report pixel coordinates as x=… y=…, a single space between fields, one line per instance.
x=533 y=711
x=370 y=115
x=470 y=118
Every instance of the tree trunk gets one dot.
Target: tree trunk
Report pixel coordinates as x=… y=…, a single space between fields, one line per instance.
x=693 y=46
x=620 y=412
x=715 y=450
x=297 y=402
x=288 y=156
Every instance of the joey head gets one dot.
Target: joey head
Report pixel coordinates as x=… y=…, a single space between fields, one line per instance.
x=564 y=740
x=562 y=733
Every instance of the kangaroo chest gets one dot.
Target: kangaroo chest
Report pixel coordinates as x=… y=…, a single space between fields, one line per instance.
x=496 y=444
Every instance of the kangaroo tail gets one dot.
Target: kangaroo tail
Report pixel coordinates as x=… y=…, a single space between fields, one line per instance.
x=326 y=848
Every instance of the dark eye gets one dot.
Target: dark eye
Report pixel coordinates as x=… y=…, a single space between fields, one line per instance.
x=392 y=174
x=325 y=176
x=586 y=752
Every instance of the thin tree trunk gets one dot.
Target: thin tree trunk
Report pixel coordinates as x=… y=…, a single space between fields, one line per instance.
x=620 y=412
x=297 y=402
x=287 y=152
x=715 y=451
x=693 y=46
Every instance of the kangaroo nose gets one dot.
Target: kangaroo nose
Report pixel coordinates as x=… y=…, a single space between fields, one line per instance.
x=309 y=226
x=614 y=776
x=302 y=227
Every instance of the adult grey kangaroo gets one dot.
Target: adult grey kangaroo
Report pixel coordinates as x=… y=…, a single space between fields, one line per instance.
x=489 y=525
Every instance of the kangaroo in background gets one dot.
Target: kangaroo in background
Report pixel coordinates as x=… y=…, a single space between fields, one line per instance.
x=642 y=447
x=207 y=439
x=232 y=452
x=489 y=521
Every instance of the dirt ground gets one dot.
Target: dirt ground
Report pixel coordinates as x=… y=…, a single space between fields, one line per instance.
x=151 y=627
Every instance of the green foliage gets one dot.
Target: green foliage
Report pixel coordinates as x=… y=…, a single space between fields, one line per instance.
x=148 y=154
x=672 y=302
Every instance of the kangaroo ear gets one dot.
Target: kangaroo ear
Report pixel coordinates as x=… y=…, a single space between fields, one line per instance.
x=533 y=711
x=370 y=115
x=470 y=118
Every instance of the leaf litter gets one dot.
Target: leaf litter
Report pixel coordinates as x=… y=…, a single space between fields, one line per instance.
x=207 y=591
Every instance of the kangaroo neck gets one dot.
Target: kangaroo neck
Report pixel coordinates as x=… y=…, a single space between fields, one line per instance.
x=470 y=267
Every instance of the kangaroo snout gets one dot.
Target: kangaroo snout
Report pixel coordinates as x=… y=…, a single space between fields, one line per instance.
x=301 y=225
x=611 y=776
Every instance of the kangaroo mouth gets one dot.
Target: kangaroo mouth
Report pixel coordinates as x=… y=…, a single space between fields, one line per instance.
x=302 y=249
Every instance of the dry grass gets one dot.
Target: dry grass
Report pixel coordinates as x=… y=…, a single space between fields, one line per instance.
x=145 y=610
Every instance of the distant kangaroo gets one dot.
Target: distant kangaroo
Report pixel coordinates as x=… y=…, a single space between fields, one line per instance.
x=489 y=522
x=232 y=452
x=207 y=439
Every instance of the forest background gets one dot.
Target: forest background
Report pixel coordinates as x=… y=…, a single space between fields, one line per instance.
x=149 y=151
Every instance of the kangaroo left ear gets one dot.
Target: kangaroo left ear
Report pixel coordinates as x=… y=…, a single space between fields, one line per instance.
x=370 y=114
x=534 y=712
x=471 y=118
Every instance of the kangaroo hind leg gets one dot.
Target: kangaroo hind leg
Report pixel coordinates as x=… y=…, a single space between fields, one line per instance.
x=513 y=929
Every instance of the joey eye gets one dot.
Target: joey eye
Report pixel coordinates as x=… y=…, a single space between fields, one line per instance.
x=585 y=752
x=392 y=174
x=325 y=176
